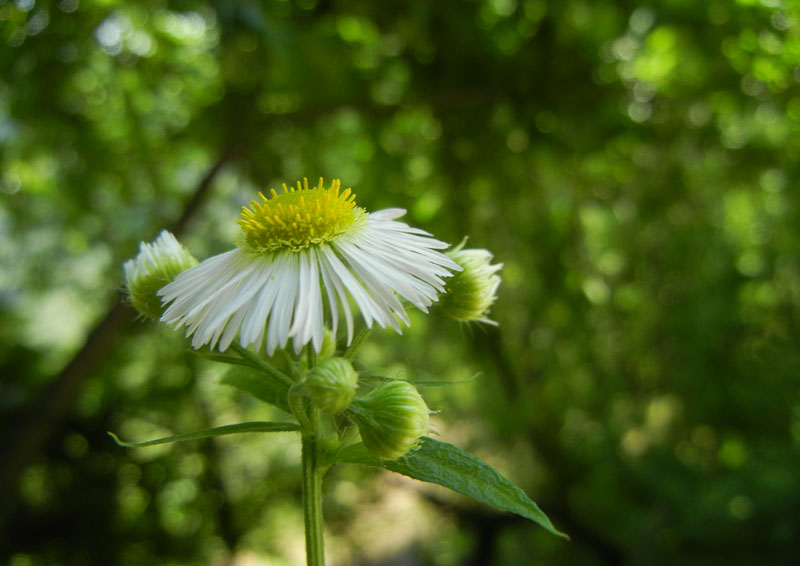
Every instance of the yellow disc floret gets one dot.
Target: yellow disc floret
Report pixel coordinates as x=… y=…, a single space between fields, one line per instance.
x=299 y=217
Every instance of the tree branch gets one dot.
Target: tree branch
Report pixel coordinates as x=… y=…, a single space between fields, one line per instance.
x=25 y=439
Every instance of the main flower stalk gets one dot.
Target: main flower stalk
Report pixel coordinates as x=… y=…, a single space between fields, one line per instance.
x=312 y=500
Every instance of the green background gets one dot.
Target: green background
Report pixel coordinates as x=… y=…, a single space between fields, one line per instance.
x=633 y=165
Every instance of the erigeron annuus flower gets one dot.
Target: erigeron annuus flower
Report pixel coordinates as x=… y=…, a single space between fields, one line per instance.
x=294 y=248
x=157 y=264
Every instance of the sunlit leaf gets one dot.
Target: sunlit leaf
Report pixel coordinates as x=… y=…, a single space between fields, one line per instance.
x=449 y=466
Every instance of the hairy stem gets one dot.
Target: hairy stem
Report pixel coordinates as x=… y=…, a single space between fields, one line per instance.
x=312 y=501
x=261 y=363
x=352 y=350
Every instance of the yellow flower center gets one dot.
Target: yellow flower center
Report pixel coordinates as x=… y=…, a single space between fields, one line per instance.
x=299 y=217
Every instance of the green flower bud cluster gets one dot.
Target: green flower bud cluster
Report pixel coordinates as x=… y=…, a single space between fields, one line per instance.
x=157 y=264
x=471 y=292
x=391 y=418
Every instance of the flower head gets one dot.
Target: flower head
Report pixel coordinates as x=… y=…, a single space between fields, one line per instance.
x=471 y=292
x=156 y=265
x=296 y=249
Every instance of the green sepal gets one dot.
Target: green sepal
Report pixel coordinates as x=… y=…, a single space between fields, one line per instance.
x=256 y=426
x=449 y=466
x=260 y=386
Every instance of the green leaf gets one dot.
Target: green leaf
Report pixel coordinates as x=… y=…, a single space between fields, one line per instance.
x=260 y=386
x=416 y=383
x=256 y=426
x=224 y=358
x=248 y=359
x=262 y=364
x=449 y=466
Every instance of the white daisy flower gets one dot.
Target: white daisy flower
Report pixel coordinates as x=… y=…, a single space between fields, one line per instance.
x=296 y=250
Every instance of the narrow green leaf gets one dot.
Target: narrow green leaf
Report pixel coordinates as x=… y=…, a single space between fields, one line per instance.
x=224 y=358
x=260 y=386
x=262 y=364
x=355 y=345
x=257 y=426
x=416 y=383
x=449 y=466
x=446 y=383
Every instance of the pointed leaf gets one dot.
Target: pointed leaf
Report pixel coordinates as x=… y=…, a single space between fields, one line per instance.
x=262 y=364
x=257 y=426
x=449 y=466
x=258 y=385
x=224 y=358
x=416 y=383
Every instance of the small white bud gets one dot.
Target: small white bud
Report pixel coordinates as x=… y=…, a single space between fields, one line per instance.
x=471 y=292
x=157 y=264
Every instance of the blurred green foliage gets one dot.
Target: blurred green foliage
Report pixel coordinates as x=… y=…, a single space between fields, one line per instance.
x=633 y=164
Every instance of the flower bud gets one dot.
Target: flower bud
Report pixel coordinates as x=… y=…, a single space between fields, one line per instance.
x=156 y=265
x=332 y=383
x=470 y=293
x=391 y=419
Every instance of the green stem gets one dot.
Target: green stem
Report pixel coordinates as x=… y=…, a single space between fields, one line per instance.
x=312 y=501
x=351 y=351
x=262 y=364
x=296 y=397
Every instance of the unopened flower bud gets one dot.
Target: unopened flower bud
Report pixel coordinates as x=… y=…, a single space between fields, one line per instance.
x=391 y=419
x=157 y=264
x=470 y=293
x=332 y=383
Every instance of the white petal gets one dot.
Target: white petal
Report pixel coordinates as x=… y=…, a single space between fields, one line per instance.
x=375 y=280
x=330 y=277
x=370 y=309
x=255 y=321
x=232 y=329
x=286 y=277
x=307 y=323
x=330 y=290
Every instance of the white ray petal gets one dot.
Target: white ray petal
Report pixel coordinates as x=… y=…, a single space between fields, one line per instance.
x=255 y=322
x=331 y=277
x=279 y=322
x=330 y=290
x=234 y=324
x=370 y=309
x=307 y=324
